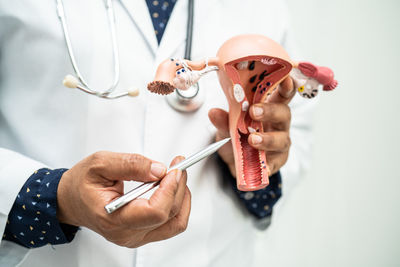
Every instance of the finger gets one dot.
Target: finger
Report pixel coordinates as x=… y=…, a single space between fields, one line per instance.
x=284 y=93
x=137 y=214
x=270 y=141
x=124 y=166
x=271 y=112
x=145 y=214
x=174 y=226
x=165 y=196
x=276 y=161
x=176 y=207
x=220 y=119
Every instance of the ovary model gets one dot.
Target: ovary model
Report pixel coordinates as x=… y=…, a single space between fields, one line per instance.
x=249 y=68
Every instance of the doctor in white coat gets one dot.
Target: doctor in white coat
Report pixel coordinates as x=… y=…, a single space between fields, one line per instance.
x=44 y=124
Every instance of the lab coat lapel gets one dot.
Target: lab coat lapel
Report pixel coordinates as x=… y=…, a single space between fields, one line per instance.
x=175 y=33
x=142 y=20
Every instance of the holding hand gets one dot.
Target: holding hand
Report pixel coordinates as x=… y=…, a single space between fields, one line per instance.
x=275 y=116
x=86 y=188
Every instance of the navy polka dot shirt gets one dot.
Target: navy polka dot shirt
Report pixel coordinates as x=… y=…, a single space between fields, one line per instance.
x=32 y=221
x=160 y=11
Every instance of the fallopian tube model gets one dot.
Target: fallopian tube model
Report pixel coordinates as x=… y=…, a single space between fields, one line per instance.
x=249 y=67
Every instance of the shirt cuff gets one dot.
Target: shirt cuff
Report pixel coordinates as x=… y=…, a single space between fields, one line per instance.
x=32 y=221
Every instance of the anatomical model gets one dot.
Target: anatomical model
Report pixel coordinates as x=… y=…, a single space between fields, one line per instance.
x=249 y=67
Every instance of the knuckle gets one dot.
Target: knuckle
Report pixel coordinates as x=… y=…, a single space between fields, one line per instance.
x=124 y=243
x=189 y=193
x=170 y=191
x=135 y=159
x=98 y=156
x=285 y=158
x=135 y=245
x=269 y=140
x=104 y=224
x=174 y=210
x=270 y=110
x=271 y=168
x=138 y=161
x=121 y=241
x=128 y=243
x=160 y=216
x=181 y=226
x=287 y=142
x=97 y=160
x=288 y=113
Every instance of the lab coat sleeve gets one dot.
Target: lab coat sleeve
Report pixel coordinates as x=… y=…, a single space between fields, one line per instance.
x=15 y=169
x=301 y=125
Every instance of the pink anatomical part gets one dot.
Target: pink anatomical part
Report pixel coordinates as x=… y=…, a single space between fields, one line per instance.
x=249 y=68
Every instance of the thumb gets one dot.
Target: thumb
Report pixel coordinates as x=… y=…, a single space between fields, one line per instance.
x=125 y=166
x=220 y=119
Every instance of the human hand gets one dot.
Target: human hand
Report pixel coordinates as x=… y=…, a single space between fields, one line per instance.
x=275 y=116
x=95 y=181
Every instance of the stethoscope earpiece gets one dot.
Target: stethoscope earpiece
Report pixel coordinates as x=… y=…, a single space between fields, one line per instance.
x=133 y=93
x=70 y=81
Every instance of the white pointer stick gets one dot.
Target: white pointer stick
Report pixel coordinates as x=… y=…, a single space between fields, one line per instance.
x=146 y=187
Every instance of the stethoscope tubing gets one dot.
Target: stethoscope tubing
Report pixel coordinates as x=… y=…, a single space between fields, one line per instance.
x=111 y=21
x=189 y=30
x=183 y=100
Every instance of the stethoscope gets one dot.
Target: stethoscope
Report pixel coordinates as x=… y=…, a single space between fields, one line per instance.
x=182 y=100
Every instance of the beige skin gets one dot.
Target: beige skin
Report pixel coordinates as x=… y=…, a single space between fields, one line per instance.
x=87 y=187
x=275 y=115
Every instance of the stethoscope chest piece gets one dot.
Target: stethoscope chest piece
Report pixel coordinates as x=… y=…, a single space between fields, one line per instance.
x=188 y=100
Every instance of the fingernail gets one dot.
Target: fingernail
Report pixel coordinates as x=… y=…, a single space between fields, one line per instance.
x=178 y=175
x=257 y=111
x=158 y=169
x=255 y=139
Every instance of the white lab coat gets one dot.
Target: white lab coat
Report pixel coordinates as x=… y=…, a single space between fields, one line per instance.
x=44 y=124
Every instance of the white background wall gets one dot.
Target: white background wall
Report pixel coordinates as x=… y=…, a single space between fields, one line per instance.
x=347 y=210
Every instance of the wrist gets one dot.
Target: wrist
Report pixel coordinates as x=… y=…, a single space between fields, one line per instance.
x=64 y=196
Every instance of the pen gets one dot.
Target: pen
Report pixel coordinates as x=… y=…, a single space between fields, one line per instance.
x=146 y=187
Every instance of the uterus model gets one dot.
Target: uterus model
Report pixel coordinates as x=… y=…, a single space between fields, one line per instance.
x=249 y=68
